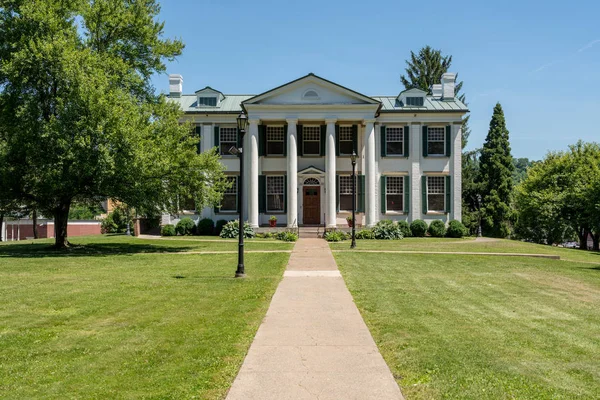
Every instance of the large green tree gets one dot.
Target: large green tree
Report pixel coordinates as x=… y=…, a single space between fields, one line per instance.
x=495 y=177
x=471 y=191
x=425 y=69
x=79 y=118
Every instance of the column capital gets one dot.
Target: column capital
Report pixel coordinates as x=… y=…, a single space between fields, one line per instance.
x=292 y=121
x=254 y=121
x=330 y=120
x=369 y=121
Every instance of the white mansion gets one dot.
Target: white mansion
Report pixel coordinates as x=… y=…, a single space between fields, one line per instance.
x=298 y=145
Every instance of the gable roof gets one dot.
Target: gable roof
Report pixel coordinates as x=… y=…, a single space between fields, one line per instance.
x=309 y=77
x=209 y=89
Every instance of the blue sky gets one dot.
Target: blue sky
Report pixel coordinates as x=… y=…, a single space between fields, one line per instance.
x=539 y=59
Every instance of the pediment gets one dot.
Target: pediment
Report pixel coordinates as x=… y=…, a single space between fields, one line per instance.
x=310 y=90
x=311 y=171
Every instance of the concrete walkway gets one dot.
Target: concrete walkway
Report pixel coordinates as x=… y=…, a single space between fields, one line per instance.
x=313 y=343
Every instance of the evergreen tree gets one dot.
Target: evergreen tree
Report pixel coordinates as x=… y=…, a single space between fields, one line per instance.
x=495 y=177
x=471 y=190
x=426 y=69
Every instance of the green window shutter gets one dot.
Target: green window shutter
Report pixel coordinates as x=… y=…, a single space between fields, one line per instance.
x=448 y=194
x=337 y=140
x=262 y=140
x=424 y=194
x=448 y=140
x=262 y=194
x=285 y=140
x=300 y=147
x=216 y=142
x=361 y=193
x=383 y=193
x=425 y=152
x=355 y=138
x=199 y=136
x=406 y=141
x=337 y=193
x=383 y=142
x=407 y=194
x=323 y=139
x=285 y=195
x=239 y=194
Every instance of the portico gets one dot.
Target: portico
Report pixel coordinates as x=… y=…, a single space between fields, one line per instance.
x=298 y=146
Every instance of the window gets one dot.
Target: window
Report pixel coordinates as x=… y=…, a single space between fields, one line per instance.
x=394 y=193
x=415 y=101
x=275 y=142
x=230 y=197
x=275 y=193
x=227 y=138
x=311 y=95
x=207 y=101
x=311 y=140
x=346 y=193
x=436 y=141
x=311 y=181
x=394 y=141
x=435 y=193
x=346 y=141
x=187 y=203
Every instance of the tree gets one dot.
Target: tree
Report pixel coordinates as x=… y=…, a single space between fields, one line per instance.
x=471 y=191
x=521 y=167
x=496 y=169
x=79 y=119
x=424 y=70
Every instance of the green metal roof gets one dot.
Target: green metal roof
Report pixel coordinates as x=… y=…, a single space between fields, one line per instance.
x=230 y=104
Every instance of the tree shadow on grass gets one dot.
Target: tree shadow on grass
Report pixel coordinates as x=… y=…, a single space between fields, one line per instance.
x=41 y=250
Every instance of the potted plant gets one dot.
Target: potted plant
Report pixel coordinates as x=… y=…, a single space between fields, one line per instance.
x=350 y=221
x=272 y=221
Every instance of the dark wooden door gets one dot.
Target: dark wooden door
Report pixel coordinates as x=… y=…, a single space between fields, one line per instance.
x=311 y=205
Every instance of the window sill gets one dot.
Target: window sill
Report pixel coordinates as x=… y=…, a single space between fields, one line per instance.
x=395 y=213
x=274 y=156
x=395 y=156
x=311 y=156
x=436 y=213
x=437 y=156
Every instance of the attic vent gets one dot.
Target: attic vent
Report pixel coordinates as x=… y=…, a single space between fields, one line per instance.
x=207 y=101
x=415 y=101
x=311 y=95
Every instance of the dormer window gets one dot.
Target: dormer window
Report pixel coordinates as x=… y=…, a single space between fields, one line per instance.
x=207 y=101
x=415 y=101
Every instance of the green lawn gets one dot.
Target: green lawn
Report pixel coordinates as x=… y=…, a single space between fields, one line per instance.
x=470 y=245
x=111 y=320
x=480 y=327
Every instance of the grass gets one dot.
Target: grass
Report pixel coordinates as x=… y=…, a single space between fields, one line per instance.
x=481 y=327
x=470 y=245
x=109 y=319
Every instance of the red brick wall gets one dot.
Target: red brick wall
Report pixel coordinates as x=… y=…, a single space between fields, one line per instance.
x=47 y=230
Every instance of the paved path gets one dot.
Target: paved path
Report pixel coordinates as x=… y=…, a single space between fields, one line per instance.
x=313 y=343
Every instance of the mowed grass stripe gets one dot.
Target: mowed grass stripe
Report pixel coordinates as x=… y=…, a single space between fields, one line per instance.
x=481 y=327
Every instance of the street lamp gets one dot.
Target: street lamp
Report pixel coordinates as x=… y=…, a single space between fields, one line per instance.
x=479 y=215
x=242 y=124
x=353 y=159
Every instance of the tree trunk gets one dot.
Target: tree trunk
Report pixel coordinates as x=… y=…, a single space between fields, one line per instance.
x=596 y=240
x=61 y=220
x=583 y=239
x=34 y=219
x=2 y=238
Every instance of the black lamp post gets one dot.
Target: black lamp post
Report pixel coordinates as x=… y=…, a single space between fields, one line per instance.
x=353 y=159
x=479 y=215
x=242 y=124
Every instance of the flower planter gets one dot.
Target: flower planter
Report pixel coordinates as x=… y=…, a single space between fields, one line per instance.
x=272 y=224
x=349 y=224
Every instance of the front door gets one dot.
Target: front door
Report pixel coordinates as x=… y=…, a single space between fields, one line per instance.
x=311 y=205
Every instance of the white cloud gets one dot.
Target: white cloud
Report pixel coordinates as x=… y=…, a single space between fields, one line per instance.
x=589 y=45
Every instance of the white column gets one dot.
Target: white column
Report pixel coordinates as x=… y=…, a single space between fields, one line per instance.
x=330 y=169
x=292 y=174
x=252 y=174
x=371 y=174
x=246 y=188
x=456 y=172
x=415 y=174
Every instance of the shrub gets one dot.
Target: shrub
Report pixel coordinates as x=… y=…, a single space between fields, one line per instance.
x=287 y=236
x=267 y=235
x=418 y=228
x=335 y=236
x=168 y=230
x=185 y=226
x=219 y=226
x=404 y=228
x=109 y=225
x=365 y=234
x=387 y=230
x=456 y=229
x=231 y=230
x=205 y=227
x=437 y=228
